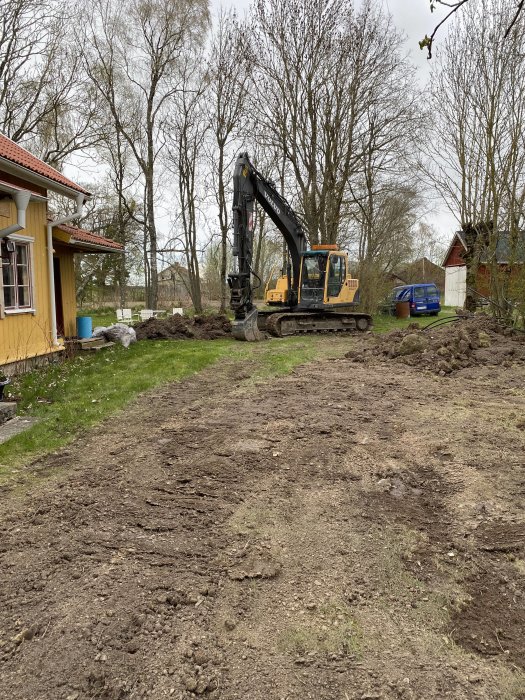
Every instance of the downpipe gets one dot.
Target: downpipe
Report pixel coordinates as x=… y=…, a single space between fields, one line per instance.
x=21 y=199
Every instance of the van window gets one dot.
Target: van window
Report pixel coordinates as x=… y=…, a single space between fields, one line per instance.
x=421 y=292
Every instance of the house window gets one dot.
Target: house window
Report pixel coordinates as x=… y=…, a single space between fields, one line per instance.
x=16 y=274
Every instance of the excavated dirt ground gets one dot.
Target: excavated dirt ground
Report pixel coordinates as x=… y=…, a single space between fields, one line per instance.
x=352 y=531
x=446 y=347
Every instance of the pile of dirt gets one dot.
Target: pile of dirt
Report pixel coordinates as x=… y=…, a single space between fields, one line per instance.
x=178 y=327
x=445 y=349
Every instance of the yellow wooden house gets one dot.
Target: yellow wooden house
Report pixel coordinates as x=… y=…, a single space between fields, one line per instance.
x=37 y=288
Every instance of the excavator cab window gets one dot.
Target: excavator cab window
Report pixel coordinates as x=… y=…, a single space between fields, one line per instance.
x=274 y=275
x=313 y=277
x=336 y=275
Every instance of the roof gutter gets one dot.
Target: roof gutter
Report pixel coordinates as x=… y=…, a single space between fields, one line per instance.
x=51 y=273
x=94 y=247
x=21 y=198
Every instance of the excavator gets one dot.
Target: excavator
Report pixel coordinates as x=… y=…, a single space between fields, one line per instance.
x=314 y=291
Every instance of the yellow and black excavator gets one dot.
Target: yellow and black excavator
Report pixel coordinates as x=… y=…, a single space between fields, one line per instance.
x=316 y=290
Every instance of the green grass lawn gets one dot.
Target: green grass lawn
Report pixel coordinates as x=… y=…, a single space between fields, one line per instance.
x=384 y=322
x=69 y=397
x=79 y=393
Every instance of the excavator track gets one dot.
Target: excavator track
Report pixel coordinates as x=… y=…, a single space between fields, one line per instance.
x=296 y=323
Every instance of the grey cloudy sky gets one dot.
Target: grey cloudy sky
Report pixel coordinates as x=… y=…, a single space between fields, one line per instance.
x=414 y=19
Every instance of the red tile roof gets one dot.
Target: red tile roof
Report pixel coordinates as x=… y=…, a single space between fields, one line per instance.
x=14 y=153
x=79 y=234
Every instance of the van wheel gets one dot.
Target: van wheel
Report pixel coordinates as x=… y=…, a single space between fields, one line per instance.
x=434 y=313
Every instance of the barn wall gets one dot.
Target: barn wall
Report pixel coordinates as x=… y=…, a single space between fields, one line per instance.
x=454 y=258
x=455 y=285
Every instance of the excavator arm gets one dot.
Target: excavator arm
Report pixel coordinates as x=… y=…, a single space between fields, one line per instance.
x=249 y=185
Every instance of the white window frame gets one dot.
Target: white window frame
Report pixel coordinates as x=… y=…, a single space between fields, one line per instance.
x=29 y=241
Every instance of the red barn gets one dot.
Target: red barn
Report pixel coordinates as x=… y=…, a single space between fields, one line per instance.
x=456 y=270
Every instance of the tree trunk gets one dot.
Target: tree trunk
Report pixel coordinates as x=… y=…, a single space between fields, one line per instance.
x=223 y=222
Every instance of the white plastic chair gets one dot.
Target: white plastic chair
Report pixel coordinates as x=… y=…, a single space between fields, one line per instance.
x=124 y=316
x=127 y=316
x=145 y=314
x=178 y=310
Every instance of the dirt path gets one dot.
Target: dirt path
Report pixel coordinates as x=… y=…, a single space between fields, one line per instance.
x=346 y=532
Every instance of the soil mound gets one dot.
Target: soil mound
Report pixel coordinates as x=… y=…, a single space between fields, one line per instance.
x=184 y=328
x=445 y=349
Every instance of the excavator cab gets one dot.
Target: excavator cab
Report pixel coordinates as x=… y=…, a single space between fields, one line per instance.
x=313 y=277
x=325 y=279
x=324 y=282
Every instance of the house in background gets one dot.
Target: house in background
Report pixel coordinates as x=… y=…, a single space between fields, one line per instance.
x=395 y=279
x=456 y=269
x=423 y=271
x=37 y=290
x=173 y=283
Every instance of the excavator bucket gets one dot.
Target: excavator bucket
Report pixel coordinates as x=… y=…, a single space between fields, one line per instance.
x=246 y=328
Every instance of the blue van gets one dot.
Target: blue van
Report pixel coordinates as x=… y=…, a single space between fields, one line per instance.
x=423 y=298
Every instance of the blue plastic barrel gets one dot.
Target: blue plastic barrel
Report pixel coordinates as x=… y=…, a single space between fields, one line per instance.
x=84 y=326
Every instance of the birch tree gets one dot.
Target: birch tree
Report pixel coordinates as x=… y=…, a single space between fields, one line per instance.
x=134 y=51
x=228 y=74
x=45 y=100
x=28 y=51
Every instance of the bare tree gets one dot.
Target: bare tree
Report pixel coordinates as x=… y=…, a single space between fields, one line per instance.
x=319 y=66
x=452 y=8
x=28 y=49
x=134 y=50
x=45 y=99
x=127 y=215
x=186 y=134
x=385 y=219
x=71 y=123
x=105 y=217
x=228 y=74
x=384 y=190
x=476 y=158
x=427 y=243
